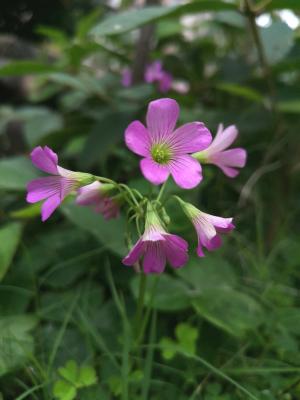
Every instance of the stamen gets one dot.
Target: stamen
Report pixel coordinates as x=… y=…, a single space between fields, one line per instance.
x=161 y=153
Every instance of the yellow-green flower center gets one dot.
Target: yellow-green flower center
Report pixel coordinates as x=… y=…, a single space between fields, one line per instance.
x=161 y=153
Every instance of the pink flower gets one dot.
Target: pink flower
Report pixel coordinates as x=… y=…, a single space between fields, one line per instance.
x=165 y=150
x=52 y=189
x=96 y=194
x=156 y=247
x=126 y=77
x=165 y=82
x=153 y=72
x=156 y=73
x=216 y=153
x=208 y=227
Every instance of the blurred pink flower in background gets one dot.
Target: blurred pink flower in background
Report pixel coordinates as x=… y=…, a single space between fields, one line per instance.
x=166 y=149
x=154 y=73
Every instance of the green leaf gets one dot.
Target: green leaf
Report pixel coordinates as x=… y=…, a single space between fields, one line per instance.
x=16 y=172
x=16 y=344
x=86 y=22
x=128 y=20
x=87 y=376
x=10 y=236
x=19 y=68
x=233 y=311
x=54 y=34
x=277 y=40
x=187 y=337
x=29 y=211
x=241 y=91
x=109 y=233
x=70 y=372
x=282 y=5
x=167 y=293
x=289 y=106
x=207 y=273
x=64 y=391
x=168 y=348
x=38 y=122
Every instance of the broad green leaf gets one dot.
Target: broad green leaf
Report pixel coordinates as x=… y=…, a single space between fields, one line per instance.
x=128 y=20
x=86 y=22
x=207 y=273
x=241 y=91
x=282 y=5
x=289 y=106
x=109 y=233
x=165 y=292
x=10 y=236
x=29 y=211
x=64 y=391
x=289 y=318
x=104 y=136
x=54 y=34
x=233 y=311
x=38 y=122
x=87 y=376
x=16 y=343
x=70 y=372
x=19 y=68
x=277 y=40
x=16 y=172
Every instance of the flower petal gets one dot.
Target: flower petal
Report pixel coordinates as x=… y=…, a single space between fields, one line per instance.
x=176 y=250
x=137 y=138
x=161 y=118
x=231 y=158
x=154 y=172
x=154 y=258
x=89 y=194
x=45 y=159
x=134 y=254
x=50 y=206
x=224 y=138
x=153 y=72
x=40 y=189
x=190 y=138
x=186 y=171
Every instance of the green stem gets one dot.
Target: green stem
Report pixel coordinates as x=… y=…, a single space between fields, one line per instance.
x=161 y=191
x=140 y=303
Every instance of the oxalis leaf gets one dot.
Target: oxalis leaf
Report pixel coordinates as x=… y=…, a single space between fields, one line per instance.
x=110 y=233
x=16 y=344
x=10 y=236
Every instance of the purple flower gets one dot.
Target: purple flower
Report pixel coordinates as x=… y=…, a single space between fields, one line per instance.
x=165 y=150
x=96 y=195
x=126 y=77
x=216 y=153
x=153 y=72
x=52 y=189
x=156 y=247
x=208 y=227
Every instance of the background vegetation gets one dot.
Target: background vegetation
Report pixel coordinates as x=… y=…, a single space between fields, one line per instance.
x=224 y=327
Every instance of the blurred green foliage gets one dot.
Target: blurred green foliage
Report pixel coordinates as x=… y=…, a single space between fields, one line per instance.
x=224 y=327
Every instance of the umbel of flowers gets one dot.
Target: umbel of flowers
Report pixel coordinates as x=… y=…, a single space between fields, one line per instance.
x=165 y=151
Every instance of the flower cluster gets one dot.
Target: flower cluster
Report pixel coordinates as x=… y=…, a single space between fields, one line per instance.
x=165 y=150
x=154 y=73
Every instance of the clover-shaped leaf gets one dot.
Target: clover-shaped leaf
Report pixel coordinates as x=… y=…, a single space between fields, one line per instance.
x=186 y=336
x=87 y=376
x=75 y=377
x=64 y=390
